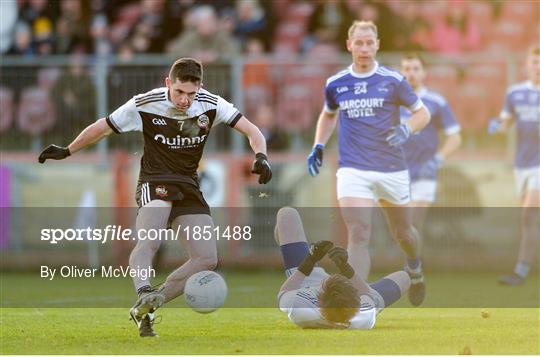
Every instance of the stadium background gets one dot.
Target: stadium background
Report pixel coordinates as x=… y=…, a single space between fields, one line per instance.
x=66 y=63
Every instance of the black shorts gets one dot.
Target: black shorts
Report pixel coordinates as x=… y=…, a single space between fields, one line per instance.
x=186 y=198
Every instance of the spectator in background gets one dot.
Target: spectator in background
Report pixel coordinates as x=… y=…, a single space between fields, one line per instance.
x=72 y=27
x=251 y=22
x=205 y=42
x=99 y=35
x=328 y=24
x=7 y=106
x=43 y=39
x=276 y=140
x=457 y=33
x=256 y=80
x=387 y=21
x=8 y=11
x=22 y=44
x=32 y=10
x=415 y=31
x=149 y=34
x=74 y=96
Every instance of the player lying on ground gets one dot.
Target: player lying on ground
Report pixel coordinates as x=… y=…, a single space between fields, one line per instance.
x=522 y=106
x=312 y=298
x=365 y=98
x=422 y=151
x=175 y=121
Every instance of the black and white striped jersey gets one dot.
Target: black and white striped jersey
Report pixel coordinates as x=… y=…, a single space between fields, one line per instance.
x=173 y=141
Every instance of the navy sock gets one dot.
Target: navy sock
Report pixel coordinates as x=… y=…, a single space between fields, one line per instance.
x=413 y=263
x=294 y=253
x=388 y=289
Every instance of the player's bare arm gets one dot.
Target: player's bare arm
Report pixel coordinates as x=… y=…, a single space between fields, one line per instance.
x=257 y=142
x=89 y=136
x=419 y=119
x=325 y=126
x=253 y=134
x=451 y=144
x=293 y=282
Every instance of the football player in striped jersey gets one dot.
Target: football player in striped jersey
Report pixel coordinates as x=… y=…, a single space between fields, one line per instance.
x=175 y=121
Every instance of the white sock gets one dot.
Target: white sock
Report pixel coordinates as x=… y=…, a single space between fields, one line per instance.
x=522 y=269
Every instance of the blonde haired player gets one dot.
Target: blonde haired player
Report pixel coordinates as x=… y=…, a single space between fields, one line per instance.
x=365 y=99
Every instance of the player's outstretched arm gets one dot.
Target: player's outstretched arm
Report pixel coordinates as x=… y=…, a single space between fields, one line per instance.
x=257 y=142
x=325 y=127
x=316 y=252
x=90 y=135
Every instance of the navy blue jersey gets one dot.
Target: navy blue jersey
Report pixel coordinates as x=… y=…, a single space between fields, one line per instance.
x=368 y=105
x=423 y=145
x=522 y=103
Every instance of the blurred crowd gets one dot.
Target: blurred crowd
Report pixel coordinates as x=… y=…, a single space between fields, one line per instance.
x=219 y=29
x=258 y=31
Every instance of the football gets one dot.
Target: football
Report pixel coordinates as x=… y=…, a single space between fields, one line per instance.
x=205 y=291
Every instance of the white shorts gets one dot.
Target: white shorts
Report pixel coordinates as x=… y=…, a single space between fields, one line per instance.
x=393 y=187
x=314 y=279
x=424 y=190
x=527 y=179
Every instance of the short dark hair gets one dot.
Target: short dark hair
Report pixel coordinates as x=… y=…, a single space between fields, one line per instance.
x=186 y=70
x=413 y=55
x=338 y=299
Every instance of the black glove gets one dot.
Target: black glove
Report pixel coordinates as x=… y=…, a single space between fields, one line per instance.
x=316 y=252
x=54 y=152
x=262 y=168
x=340 y=257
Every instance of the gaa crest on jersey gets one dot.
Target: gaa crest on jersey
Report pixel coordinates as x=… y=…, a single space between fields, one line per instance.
x=161 y=191
x=203 y=121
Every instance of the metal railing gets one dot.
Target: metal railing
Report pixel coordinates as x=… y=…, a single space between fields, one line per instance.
x=51 y=99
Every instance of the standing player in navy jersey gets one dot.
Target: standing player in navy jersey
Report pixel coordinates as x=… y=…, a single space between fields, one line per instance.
x=175 y=121
x=366 y=98
x=422 y=151
x=522 y=106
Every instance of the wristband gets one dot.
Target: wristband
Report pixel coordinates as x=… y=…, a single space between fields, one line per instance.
x=260 y=155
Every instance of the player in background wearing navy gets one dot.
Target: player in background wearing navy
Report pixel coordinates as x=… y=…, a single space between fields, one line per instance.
x=522 y=106
x=175 y=122
x=366 y=98
x=314 y=299
x=422 y=151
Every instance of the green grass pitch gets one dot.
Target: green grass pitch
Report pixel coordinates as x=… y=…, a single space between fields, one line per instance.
x=256 y=330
